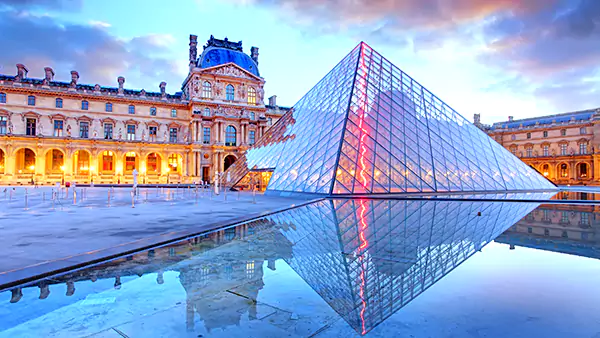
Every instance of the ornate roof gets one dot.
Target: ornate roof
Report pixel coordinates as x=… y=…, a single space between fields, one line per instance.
x=218 y=52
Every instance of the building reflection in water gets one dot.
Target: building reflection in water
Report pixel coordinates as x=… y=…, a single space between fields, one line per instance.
x=365 y=258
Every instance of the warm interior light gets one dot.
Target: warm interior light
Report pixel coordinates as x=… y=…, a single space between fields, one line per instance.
x=62 y=167
x=168 y=169
x=545 y=173
x=92 y=168
x=31 y=167
x=339 y=171
x=143 y=169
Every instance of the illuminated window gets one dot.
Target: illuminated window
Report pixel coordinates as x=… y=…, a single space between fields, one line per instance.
x=107 y=160
x=152 y=163
x=582 y=170
x=252 y=137
x=31 y=100
x=108 y=107
x=546 y=170
x=58 y=103
x=152 y=111
x=229 y=93
x=206 y=90
x=129 y=161
x=131 y=109
x=85 y=105
x=206 y=135
x=173 y=162
x=131 y=132
x=2 y=97
x=564 y=170
x=230 y=136
x=83 y=162
x=251 y=95
x=58 y=128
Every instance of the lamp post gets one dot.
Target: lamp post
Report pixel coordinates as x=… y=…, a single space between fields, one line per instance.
x=62 y=168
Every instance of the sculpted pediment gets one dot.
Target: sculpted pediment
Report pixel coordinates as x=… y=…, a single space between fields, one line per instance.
x=231 y=69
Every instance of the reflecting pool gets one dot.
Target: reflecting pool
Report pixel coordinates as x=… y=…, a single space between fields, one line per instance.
x=340 y=268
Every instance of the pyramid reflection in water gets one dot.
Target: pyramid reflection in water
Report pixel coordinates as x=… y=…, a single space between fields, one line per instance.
x=367 y=127
x=369 y=258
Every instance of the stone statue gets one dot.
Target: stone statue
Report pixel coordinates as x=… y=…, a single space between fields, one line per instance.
x=165 y=137
x=10 y=127
x=144 y=135
x=120 y=133
x=261 y=94
x=41 y=130
x=68 y=131
x=95 y=134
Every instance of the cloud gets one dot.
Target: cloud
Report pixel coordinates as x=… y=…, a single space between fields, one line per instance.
x=98 y=56
x=99 y=24
x=49 y=4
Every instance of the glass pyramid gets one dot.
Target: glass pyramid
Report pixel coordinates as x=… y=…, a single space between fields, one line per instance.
x=368 y=128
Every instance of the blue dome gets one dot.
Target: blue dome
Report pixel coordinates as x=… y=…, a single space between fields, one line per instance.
x=213 y=56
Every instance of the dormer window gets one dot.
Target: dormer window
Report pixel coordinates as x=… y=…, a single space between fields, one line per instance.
x=152 y=111
x=58 y=103
x=2 y=97
x=173 y=112
x=85 y=105
x=206 y=90
x=31 y=100
x=131 y=109
x=251 y=95
x=108 y=107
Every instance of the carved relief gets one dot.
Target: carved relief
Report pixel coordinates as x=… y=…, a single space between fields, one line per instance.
x=231 y=71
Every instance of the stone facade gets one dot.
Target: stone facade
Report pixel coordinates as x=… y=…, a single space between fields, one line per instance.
x=564 y=147
x=54 y=131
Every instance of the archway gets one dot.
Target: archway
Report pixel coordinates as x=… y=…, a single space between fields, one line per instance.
x=582 y=170
x=25 y=161
x=55 y=162
x=545 y=169
x=563 y=171
x=228 y=161
x=107 y=160
x=2 y=159
x=81 y=163
x=153 y=162
x=130 y=160
x=174 y=164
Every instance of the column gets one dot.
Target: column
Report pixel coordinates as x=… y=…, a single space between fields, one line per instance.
x=40 y=164
x=220 y=165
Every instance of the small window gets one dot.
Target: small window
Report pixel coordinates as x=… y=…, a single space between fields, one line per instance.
x=206 y=135
x=173 y=112
x=152 y=111
x=108 y=107
x=131 y=132
x=563 y=149
x=108 y=131
x=58 y=128
x=545 y=133
x=206 y=112
x=563 y=132
x=251 y=95
x=173 y=135
x=2 y=97
x=529 y=152
x=84 y=105
x=131 y=109
x=84 y=129
x=583 y=148
x=3 y=125
x=58 y=103
x=513 y=137
x=528 y=135
x=582 y=131
x=206 y=90
x=152 y=131
x=546 y=150
x=252 y=137
x=252 y=116
x=229 y=93
x=31 y=100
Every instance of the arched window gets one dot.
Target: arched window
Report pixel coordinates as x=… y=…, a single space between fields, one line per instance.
x=31 y=100
x=206 y=90
x=230 y=136
x=582 y=170
x=206 y=112
x=2 y=97
x=564 y=170
x=546 y=170
x=251 y=95
x=229 y=93
x=58 y=103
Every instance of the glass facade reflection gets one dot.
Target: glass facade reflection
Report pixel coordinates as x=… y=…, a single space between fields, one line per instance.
x=368 y=128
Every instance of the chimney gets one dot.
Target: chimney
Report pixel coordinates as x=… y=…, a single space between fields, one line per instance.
x=21 y=72
x=273 y=100
x=510 y=118
x=121 y=81
x=163 y=87
x=49 y=75
x=74 y=78
x=477 y=119
x=193 y=49
x=254 y=54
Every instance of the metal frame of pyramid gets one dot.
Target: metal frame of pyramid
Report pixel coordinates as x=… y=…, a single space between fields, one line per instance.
x=369 y=128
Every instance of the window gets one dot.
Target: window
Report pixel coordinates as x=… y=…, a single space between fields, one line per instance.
x=130 y=132
x=107 y=159
x=252 y=137
x=546 y=170
x=270 y=121
x=206 y=135
x=206 y=90
x=58 y=103
x=229 y=93
x=131 y=109
x=152 y=111
x=582 y=131
x=173 y=159
x=129 y=161
x=108 y=131
x=3 y=125
x=58 y=128
x=85 y=105
x=564 y=217
x=546 y=150
x=206 y=112
x=251 y=95
x=152 y=130
x=564 y=170
x=529 y=151
x=584 y=218
x=582 y=148
x=563 y=132
x=84 y=129
x=545 y=133
x=528 y=135
x=173 y=112
x=108 y=107
x=252 y=116
x=30 y=127
x=31 y=100
x=583 y=170
x=173 y=135
x=230 y=136
x=513 y=137
x=2 y=97
x=563 y=149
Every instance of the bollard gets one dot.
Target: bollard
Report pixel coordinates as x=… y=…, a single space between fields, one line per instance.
x=74 y=196
x=25 y=198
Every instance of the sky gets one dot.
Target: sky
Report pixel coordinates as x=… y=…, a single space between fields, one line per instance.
x=521 y=58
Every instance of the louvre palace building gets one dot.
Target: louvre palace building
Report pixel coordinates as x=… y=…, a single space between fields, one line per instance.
x=52 y=131
x=562 y=147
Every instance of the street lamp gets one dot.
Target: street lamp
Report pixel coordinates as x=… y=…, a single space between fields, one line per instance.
x=62 y=168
